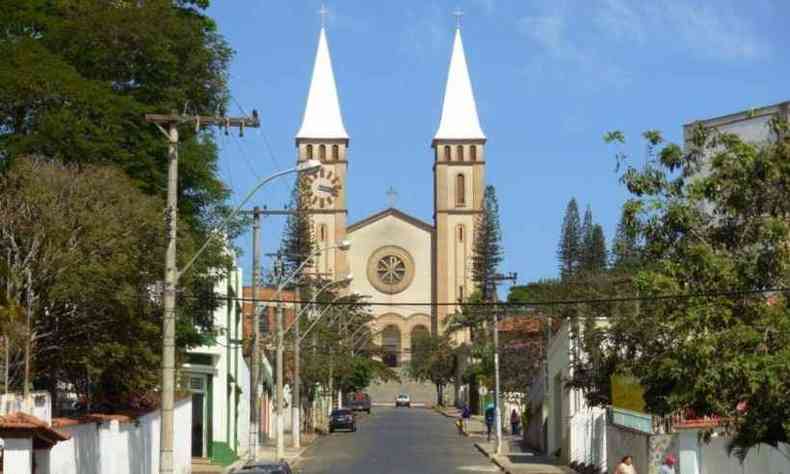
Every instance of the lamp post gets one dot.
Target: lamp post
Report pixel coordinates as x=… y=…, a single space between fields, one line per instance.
x=296 y=406
x=278 y=430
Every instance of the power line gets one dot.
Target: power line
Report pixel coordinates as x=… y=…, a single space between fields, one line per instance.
x=505 y=304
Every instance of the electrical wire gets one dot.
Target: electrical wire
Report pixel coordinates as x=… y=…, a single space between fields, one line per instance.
x=524 y=304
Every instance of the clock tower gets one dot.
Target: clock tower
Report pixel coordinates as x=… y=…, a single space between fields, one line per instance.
x=323 y=137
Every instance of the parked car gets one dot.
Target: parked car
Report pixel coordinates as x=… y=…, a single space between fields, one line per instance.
x=360 y=401
x=342 y=419
x=266 y=468
x=403 y=400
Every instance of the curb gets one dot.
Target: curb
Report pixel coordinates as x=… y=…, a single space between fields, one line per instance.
x=492 y=458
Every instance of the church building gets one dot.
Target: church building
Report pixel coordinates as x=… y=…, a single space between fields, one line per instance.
x=394 y=257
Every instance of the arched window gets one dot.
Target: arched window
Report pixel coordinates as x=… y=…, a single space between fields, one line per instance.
x=461 y=233
x=459 y=150
x=322 y=152
x=309 y=152
x=473 y=152
x=335 y=153
x=460 y=190
x=322 y=232
x=446 y=153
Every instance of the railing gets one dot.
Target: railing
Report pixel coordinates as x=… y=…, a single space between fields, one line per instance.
x=631 y=419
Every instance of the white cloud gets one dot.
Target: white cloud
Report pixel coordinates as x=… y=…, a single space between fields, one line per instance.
x=716 y=32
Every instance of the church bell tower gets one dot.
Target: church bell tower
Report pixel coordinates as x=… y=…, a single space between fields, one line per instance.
x=323 y=137
x=459 y=184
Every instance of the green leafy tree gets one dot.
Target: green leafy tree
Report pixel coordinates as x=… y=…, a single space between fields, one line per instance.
x=569 y=248
x=713 y=219
x=82 y=254
x=433 y=360
x=487 y=253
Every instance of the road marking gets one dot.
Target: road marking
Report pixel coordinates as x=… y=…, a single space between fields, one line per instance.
x=488 y=468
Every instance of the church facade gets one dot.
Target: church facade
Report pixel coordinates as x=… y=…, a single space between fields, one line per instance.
x=395 y=258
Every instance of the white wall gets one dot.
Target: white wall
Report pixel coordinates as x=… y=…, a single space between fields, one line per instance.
x=123 y=448
x=18 y=455
x=765 y=459
x=588 y=437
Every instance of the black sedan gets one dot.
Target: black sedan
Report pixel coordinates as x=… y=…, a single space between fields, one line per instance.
x=342 y=419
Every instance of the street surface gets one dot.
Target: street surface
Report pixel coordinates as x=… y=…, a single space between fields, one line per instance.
x=396 y=440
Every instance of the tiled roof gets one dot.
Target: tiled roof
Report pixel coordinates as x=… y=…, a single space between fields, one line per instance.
x=22 y=423
x=521 y=323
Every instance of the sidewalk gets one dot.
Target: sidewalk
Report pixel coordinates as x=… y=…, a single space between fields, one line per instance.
x=268 y=450
x=514 y=458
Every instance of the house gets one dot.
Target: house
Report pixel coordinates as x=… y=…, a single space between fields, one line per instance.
x=218 y=378
x=26 y=444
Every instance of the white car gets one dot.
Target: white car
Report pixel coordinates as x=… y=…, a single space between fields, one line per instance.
x=403 y=400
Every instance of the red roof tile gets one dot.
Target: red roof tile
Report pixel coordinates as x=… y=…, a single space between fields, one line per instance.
x=24 y=423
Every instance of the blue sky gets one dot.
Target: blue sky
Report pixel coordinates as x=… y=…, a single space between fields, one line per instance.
x=550 y=77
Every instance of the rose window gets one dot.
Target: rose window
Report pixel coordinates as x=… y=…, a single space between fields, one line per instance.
x=391 y=269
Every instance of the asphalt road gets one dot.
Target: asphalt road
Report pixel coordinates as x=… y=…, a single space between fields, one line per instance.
x=396 y=440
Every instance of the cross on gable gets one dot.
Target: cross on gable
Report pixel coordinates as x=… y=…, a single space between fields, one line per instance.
x=392 y=197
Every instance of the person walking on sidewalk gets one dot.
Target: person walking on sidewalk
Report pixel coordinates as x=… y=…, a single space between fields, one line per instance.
x=490 y=415
x=626 y=466
x=515 y=420
x=669 y=465
x=466 y=413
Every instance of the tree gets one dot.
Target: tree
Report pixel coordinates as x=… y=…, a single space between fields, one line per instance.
x=487 y=250
x=585 y=264
x=713 y=232
x=298 y=242
x=434 y=360
x=598 y=254
x=82 y=251
x=569 y=248
x=78 y=78
x=625 y=249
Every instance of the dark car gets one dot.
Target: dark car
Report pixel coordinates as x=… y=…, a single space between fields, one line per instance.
x=360 y=401
x=266 y=468
x=342 y=419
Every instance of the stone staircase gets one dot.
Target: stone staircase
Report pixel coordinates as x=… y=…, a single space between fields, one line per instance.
x=420 y=393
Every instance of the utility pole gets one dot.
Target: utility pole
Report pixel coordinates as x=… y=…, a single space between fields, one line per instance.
x=172 y=275
x=280 y=447
x=497 y=396
x=256 y=334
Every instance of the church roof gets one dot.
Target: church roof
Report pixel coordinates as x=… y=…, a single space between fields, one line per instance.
x=322 y=118
x=459 y=112
x=394 y=213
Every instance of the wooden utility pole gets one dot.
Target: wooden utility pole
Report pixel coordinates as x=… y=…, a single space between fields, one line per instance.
x=172 y=121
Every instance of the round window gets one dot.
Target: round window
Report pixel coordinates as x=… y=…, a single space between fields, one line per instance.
x=390 y=269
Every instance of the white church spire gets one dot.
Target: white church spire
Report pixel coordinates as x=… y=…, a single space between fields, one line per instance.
x=459 y=112
x=322 y=118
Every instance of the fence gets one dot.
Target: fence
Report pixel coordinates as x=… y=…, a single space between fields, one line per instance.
x=118 y=445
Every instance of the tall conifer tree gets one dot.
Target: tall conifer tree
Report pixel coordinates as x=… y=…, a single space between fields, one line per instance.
x=298 y=244
x=586 y=250
x=487 y=250
x=569 y=246
x=624 y=246
x=598 y=253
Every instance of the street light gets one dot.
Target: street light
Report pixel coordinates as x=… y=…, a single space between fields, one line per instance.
x=172 y=277
x=296 y=409
x=280 y=442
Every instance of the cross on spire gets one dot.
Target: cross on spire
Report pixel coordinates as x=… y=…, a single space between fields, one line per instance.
x=323 y=12
x=458 y=14
x=392 y=197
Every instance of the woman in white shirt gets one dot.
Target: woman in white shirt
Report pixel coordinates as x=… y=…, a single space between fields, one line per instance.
x=626 y=466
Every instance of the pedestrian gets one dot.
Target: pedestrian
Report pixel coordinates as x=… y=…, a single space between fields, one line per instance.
x=466 y=413
x=515 y=420
x=626 y=466
x=669 y=465
x=490 y=415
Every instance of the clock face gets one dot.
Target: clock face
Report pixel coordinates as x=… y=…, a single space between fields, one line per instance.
x=324 y=188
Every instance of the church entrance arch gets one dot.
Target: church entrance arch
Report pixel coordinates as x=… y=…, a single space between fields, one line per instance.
x=390 y=343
